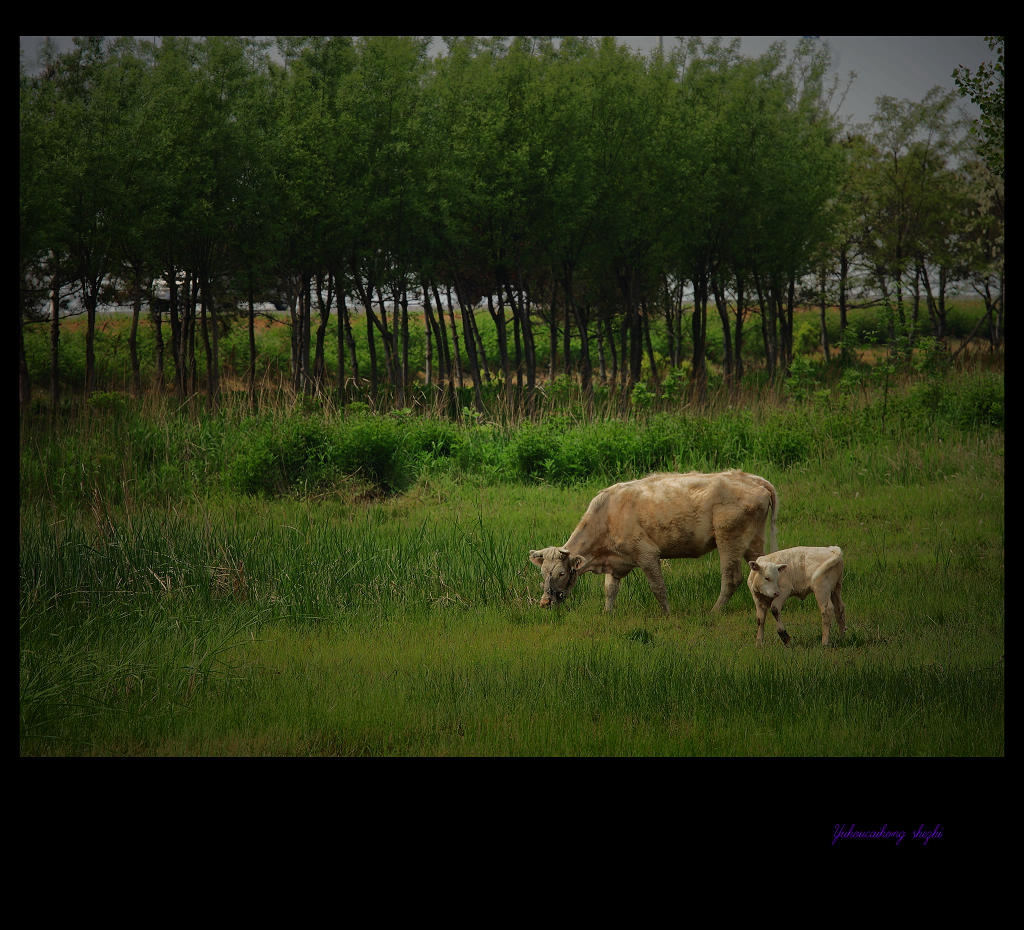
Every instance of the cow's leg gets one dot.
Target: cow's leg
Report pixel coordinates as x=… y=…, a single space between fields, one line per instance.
x=732 y=575
x=611 y=590
x=777 y=613
x=652 y=569
x=840 y=608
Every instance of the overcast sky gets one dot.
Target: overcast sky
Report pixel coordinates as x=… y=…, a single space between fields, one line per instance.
x=905 y=67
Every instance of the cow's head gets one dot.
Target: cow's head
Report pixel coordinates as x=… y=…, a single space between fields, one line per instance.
x=559 y=569
x=766 y=580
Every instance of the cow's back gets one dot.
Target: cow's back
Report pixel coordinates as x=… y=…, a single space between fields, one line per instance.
x=682 y=515
x=671 y=512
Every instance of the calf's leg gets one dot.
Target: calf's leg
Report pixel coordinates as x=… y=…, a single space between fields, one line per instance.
x=825 y=593
x=777 y=613
x=761 y=612
x=825 y=606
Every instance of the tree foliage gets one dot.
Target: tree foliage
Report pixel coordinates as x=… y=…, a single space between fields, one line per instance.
x=596 y=201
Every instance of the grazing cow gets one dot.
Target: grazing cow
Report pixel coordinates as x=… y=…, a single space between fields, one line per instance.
x=797 y=572
x=663 y=516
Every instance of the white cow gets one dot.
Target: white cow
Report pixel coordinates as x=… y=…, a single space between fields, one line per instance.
x=797 y=572
x=663 y=516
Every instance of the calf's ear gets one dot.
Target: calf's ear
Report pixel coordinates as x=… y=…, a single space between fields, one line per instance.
x=781 y=567
x=754 y=567
x=536 y=557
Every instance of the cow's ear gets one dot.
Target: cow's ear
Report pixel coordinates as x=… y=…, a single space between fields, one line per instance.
x=536 y=557
x=563 y=554
x=754 y=567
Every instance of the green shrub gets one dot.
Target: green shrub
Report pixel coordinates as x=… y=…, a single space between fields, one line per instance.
x=642 y=396
x=674 y=384
x=785 y=439
x=979 y=401
x=803 y=377
x=108 y=401
x=806 y=337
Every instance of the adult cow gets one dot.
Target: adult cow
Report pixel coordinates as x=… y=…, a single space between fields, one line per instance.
x=663 y=516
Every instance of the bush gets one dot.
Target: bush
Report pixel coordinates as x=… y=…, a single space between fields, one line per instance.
x=806 y=337
x=978 y=402
x=803 y=377
x=304 y=453
x=785 y=439
x=931 y=357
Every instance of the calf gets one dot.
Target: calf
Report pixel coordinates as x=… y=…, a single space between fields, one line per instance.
x=799 y=571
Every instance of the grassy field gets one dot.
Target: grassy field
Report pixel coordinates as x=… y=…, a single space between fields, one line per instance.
x=176 y=601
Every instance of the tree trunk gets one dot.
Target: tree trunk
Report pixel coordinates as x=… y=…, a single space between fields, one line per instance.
x=251 y=378
x=156 y=316
x=844 y=273
x=645 y=323
x=305 y=332
x=176 y=338
x=498 y=316
x=90 y=294
x=455 y=333
x=519 y=302
x=738 y=343
x=54 y=342
x=765 y=300
x=787 y=326
x=350 y=339
x=699 y=328
x=428 y=344
x=324 y=312
x=133 y=333
x=722 y=305
x=580 y=316
x=610 y=336
x=371 y=344
x=470 y=342
x=387 y=337
x=485 y=367
x=824 y=324
x=24 y=382
x=437 y=331
x=207 y=348
x=552 y=339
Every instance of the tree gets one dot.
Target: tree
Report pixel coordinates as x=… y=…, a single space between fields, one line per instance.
x=82 y=168
x=987 y=88
x=913 y=143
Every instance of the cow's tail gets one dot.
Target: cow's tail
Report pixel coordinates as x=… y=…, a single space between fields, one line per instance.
x=773 y=504
x=774 y=545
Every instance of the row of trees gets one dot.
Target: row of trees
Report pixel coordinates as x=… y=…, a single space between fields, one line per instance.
x=576 y=189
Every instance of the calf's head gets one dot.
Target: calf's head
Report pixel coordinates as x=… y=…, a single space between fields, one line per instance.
x=559 y=570
x=764 y=578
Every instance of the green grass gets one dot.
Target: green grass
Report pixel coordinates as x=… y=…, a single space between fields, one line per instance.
x=165 y=610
